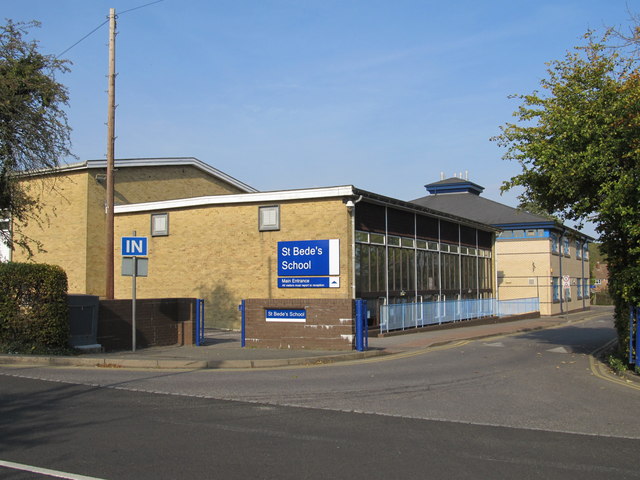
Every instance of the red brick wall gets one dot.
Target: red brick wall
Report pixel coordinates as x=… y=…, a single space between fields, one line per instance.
x=166 y=321
x=329 y=324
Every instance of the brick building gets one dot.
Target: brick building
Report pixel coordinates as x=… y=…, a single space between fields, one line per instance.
x=535 y=256
x=211 y=236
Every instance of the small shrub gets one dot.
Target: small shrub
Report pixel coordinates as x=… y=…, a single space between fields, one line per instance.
x=617 y=365
x=34 y=314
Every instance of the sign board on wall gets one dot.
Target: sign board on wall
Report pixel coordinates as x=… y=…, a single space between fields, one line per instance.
x=309 y=258
x=285 y=315
x=309 y=282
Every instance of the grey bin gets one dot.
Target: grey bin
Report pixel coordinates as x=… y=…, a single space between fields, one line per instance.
x=83 y=320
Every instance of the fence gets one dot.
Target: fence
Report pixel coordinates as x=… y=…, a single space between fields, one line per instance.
x=414 y=315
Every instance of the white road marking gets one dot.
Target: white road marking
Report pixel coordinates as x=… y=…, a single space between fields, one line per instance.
x=45 y=471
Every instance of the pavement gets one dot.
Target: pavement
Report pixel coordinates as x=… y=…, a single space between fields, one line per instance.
x=222 y=349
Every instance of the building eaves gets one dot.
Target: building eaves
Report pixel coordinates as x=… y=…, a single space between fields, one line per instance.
x=145 y=162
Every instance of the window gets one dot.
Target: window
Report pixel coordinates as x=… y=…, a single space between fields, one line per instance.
x=376 y=238
x=578 y=250
x=585 y=286
x=555 y=286
x=362 y=237
x=585 y=251
x=554 y=243
x=565 y=246
x=269 y=218
x=159 y=224
x=393 y=241
x=579 y=288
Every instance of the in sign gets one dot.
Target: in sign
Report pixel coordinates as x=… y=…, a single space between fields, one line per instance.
x=134 y=246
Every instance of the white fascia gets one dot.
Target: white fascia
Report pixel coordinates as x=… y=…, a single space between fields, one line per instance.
x=238 y=198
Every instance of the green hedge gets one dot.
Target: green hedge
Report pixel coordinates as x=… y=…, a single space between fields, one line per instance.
x=34 y=316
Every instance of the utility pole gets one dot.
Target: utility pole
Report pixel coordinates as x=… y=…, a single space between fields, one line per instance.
x=109 y=293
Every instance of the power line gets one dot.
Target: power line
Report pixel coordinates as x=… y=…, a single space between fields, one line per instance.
x=104 y=23
x=87 y=35
x=141 y=6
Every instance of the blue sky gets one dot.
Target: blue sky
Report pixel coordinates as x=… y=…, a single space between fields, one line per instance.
x=281 y=94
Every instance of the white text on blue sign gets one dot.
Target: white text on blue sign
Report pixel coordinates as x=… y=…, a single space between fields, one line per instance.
x=284 y=315
x=309 y=257
x=134 y=246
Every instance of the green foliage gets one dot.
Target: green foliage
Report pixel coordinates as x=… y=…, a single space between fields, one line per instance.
x=617 y=365
x=34 y=315
x=578 y=142
x=34 y=133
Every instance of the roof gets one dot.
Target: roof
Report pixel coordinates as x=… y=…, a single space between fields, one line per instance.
x=454 y=185
x=462 y=198
x=148 y=162
x=344 y=191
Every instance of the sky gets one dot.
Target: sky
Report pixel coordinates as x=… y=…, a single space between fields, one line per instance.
x=283 y=94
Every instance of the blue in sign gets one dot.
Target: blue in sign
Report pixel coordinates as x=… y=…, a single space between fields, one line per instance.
x=134 y=246
x=309 y=257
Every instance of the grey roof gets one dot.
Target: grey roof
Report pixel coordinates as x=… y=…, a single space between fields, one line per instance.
x=480 y=209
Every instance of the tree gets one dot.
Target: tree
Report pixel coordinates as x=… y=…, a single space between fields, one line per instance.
x=578 y=142
x=34 y=133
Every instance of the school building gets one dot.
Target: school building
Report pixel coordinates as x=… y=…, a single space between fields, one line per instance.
x=535 y=256
x=211 y=236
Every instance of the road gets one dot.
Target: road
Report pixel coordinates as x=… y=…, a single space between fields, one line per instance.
x=527 y=406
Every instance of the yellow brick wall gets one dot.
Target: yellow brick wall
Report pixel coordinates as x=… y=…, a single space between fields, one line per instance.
x=526 y=267
x=217 y=253
x=73 y=204
x=63 y=229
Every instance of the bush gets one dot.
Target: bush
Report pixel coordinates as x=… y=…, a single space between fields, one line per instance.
x=34 y=315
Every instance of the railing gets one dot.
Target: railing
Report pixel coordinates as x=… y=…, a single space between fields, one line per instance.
x=414 y=315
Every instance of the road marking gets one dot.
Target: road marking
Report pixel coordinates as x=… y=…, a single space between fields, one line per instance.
x=558 y=350
x=602 y=371
x=494 y=344
x=45 y=471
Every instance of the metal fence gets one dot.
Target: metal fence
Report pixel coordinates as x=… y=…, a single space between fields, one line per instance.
x=413 y=315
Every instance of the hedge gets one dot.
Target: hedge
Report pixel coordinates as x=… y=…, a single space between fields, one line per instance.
x=34 y=315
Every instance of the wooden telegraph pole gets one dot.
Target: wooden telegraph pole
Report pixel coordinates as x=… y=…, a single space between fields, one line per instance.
x=109 y=293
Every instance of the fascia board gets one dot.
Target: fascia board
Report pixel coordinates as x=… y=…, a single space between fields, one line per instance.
x=258 y=197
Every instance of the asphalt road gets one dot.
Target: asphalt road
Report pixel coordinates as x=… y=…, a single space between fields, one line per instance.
x=526 y=406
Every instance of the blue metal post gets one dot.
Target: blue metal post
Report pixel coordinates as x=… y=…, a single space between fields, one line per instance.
x=637 y=309
x=197 y=322
x=358 y=325
x=201 y=321
x=243 y=336
x=632 y=318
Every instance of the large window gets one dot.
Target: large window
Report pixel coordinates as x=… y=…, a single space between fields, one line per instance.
x=555 y=286
x=553 y=238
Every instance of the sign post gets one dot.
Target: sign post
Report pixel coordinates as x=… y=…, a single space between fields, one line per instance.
x=132 y=265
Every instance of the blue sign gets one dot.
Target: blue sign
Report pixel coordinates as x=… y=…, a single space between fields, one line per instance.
x=309 y=282
x=134 y=246
x=285 y=315
x=309 y=258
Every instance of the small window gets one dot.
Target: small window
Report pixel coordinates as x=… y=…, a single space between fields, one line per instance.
x=421 y=244
x=393 y=241
x=376 y=238
x=362 y=237
x=464 y=250
x=408 y=242
x=432 y=245
x=453 y=248
x=159 y=224
x=269 y=218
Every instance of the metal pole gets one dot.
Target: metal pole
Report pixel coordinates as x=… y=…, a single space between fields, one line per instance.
x=133 y=304
x=133 y=301
x=109 y=289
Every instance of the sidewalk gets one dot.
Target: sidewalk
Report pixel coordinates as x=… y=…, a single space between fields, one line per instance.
x=222 y=349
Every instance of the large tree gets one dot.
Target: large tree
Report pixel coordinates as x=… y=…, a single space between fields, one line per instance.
x=578 y=142
x=34 y=132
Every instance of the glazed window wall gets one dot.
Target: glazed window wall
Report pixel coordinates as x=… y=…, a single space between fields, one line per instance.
x=418 y=267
